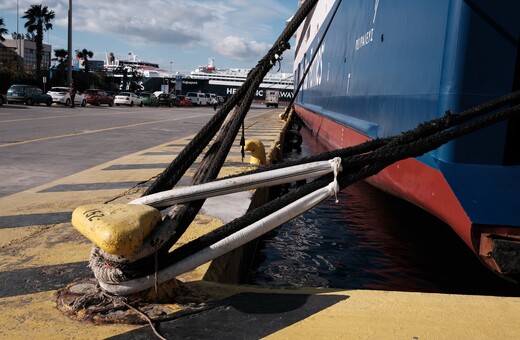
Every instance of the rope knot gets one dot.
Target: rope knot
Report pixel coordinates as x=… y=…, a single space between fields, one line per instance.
x=333 y=188
x=276 y=55
x=335 y=163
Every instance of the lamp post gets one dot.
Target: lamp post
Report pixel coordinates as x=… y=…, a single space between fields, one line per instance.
x=17 y=32
x=19 y=52
x=171 y=62
x=69 y=53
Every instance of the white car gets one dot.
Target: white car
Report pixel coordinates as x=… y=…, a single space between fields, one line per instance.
x=61 y=95
x=213 y=100
x=197 y=98
x=128 y=98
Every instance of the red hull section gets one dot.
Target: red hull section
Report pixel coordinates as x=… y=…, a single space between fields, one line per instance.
x=409 y=179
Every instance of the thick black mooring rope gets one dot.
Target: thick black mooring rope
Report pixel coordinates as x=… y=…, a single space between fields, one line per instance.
x=177 y=168
x=358 y=162
x=214 y=159
x=366 y=166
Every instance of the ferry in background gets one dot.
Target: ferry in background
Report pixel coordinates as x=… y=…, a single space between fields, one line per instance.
x=206 y=79
x=147 y=69
x=384 y=67
x=225 y=82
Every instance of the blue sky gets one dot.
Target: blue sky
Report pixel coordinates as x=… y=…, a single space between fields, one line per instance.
x=181 y=34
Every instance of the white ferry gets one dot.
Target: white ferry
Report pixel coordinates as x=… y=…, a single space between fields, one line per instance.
x=225 y=82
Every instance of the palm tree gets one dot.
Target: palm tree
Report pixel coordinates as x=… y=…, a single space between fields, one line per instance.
x=30 y=37
x=38 y=20
x=85 y=55
x=60 y=55
x=16 y=36
x=3 y=30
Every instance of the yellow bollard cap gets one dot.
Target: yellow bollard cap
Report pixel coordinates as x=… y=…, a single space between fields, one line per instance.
x=257 y=150
x=118 y=229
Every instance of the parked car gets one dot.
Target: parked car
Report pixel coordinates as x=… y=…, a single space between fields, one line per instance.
x=149 y=99
x=27 y=94
x=98 y=97
x=168 y=99
x=128 y=98
x=184 y=100
x=197 y=98
x=3 y=99
x=212 y=99
x=61 y=95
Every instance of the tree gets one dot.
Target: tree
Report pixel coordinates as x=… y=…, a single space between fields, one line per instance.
x=3 y=30
x=60 y=55
x=21 y=36
x=38 y=20
x=85 y=55
x=29 y=36
x=16 y=36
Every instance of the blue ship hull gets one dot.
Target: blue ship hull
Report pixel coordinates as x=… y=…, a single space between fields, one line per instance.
x=384 y=67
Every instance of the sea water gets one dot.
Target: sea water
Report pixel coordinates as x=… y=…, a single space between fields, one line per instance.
x=371 y=240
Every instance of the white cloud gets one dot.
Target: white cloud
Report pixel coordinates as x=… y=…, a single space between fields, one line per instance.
x=240 y=49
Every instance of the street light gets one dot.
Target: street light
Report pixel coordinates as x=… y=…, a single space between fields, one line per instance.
x=18 y=45
x=171 y=62
x=69 y=53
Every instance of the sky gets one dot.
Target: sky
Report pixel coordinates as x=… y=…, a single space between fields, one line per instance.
x=179 y=35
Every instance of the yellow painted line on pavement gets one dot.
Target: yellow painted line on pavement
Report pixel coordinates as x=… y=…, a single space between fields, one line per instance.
x=96 y=131
x=90 y=114
x=41 y=118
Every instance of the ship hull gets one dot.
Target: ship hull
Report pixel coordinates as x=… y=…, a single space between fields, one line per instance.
x=385 y=67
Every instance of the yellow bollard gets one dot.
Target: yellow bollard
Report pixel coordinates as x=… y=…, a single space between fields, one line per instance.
x=118 y=229
x=257 y=150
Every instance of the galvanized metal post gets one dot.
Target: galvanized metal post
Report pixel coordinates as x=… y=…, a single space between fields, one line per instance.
x=69 y=52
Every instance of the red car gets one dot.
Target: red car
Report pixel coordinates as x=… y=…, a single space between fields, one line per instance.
x=185 y=101
x=98 y=97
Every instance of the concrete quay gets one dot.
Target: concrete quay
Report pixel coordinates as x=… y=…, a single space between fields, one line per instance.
x=40 y=252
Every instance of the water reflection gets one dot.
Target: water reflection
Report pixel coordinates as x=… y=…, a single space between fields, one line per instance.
x=371 y=240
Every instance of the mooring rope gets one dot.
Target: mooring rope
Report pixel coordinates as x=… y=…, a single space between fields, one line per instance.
x=357 y=165
x=367 y=165
x=212 y=163
x=178 y=220
x=359 y=162
x=421 y=131
x=114 y=268
x=236 y=184
x=228 y=243
x=177 y=168
x=229 y=127
x=311 y=61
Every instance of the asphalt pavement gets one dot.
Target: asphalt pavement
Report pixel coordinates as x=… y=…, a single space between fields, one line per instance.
x=39 y=144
